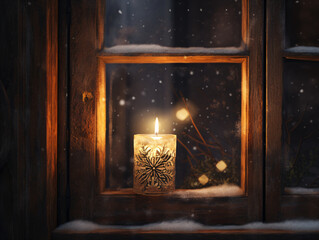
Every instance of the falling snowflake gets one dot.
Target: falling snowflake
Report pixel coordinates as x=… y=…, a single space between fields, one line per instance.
x=122 y=102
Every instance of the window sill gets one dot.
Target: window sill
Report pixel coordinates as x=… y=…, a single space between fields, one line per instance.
x=225 y=190
x=187 y=229
x=202 y=234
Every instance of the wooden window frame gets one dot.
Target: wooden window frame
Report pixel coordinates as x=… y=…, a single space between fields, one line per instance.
x=279 y=206
x=85 y=184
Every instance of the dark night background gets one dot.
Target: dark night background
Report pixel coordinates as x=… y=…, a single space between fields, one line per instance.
x=48 y=71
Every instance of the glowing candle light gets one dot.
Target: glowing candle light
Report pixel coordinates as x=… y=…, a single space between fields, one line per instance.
x=154 y=162
x=156 y=126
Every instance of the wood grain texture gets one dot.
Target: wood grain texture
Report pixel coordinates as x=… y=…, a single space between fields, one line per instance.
x=51 y=113
x=167 y=58
x=21 y=163
x=37 y=134
x=245 y=23
x=244 y=125
x=273 y=158
x=300 y=207
x=255 y=111
x=302 y=57
x=9 y=223
x=100 y=15
x=63 y=112
x=29 y=76
x=110 y=208
x=83 y=69
x=138 y=209
x=208 y=234
x=101 y=127
x=280 y=206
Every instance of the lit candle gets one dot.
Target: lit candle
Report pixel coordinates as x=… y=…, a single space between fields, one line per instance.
x=154 y=162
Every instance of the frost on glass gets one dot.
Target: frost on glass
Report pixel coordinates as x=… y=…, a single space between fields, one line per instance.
x=301 y=124
x=302 y=23
x=183 y=97
x=182 y=23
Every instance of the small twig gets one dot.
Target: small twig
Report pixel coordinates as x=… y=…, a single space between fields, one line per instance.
x=186 y=148
x=220 y=147
x=190 y=116
x=200 y=154
x=205 y=153
x=196 y=140
x=190 y=162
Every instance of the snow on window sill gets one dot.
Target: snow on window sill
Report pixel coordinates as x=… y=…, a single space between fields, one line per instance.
x=303 y=50
x=225 y=190
x=79 y=226
x=303 y=191
x=153 y=48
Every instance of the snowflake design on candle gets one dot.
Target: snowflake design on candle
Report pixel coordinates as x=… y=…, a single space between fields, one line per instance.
x=153 y=168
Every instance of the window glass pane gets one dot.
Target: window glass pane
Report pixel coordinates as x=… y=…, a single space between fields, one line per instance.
x=302 y=23
x=137 y=93
x=182 y=23
x=301 y=124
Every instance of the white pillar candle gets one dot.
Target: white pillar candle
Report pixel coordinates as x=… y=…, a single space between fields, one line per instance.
x=154 y=162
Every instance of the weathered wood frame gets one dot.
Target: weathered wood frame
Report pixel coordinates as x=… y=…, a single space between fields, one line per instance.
x=277 y=205
x=29 y=73
x=88 y=115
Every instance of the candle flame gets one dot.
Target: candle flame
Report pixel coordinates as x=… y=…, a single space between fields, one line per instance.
x=156 y=126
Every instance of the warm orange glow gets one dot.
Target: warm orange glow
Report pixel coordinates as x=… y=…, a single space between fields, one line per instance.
x=182 y=114
x=156 y=126
x=221 y=166
x=244 y=121
x=101 y=125
x=203 y=179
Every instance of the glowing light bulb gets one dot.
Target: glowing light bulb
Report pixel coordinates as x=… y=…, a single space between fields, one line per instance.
x=203 y=179
x=182 y=114
x=156 y=126
x=221 y=165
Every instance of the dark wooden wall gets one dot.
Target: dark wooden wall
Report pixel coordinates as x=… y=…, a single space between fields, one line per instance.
x=28 y=118
x=8 y=77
